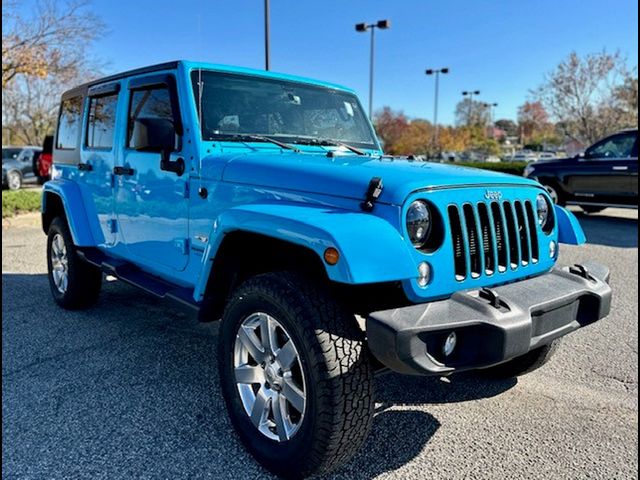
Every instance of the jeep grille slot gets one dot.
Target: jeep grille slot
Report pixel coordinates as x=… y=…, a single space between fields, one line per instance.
x=523 y=233
x=459 y=244
x=491 y=237
x=501 y=242
x=531 y=218
x=512 y=235
x=475 y=247
x=489 y=247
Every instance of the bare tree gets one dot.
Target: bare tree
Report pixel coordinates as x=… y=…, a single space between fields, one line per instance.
x=53 y=41
x=580 y=95
x=471 y=113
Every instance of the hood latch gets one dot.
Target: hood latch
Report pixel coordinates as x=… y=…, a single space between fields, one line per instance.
x=373 y=193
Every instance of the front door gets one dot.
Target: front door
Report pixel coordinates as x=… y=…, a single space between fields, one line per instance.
x=152 y=202
x=602 y=176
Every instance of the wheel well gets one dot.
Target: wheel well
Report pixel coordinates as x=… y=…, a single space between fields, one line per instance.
x=244 y=254
x=53 y=208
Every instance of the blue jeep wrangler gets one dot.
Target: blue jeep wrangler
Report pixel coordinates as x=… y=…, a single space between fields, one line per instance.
x=265 y=201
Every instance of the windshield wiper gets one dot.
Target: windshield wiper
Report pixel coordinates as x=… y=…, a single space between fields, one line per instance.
x=327 y=142
x=242 y=137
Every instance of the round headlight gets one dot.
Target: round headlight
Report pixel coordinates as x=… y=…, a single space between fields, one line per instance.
x=418 y=223
x=543 y=212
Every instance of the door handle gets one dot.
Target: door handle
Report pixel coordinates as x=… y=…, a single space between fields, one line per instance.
x=123 y=171
x=620 y=168
x=85 y=167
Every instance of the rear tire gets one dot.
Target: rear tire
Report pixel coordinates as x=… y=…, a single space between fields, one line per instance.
x=75 y=284
x=524 y=364
x=591 y=209
x=334 y=375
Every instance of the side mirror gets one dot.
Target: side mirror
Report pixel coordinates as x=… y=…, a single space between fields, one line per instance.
x=168 y=165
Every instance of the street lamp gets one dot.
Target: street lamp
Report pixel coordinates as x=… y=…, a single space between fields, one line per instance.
x=490 y=106
x=436 y=72
x=363 y=27
x=267 y=29
x=470 y=94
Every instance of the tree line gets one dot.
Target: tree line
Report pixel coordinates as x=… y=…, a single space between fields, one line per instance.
x=582 y=100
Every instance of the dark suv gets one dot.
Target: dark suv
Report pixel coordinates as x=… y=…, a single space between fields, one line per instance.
x=606 y=175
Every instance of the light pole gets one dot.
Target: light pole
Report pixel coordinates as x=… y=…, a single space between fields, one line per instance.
x=470 y=94
x=437 y=73
x=267 y=31
x=363 y=27
x=490 y=106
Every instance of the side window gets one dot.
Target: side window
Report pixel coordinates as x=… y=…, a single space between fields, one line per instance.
x=619 y=146
x=69 y=124
x=101 y=122
x=150 y=125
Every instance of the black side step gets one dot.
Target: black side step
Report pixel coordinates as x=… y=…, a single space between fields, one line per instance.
x=129 y=273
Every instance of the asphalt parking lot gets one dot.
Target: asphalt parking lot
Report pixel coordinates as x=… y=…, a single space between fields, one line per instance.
x=130 y=389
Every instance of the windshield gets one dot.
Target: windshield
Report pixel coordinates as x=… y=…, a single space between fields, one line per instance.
x=290 y=111
x=10 y=153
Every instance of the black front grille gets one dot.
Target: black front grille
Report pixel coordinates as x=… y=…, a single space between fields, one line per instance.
x=492 y=237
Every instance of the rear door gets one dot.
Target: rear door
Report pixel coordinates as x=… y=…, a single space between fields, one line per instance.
x=603 y=175
x=152 y=200
x=98 y=157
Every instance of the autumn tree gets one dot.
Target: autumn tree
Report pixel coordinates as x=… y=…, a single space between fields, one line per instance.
x=472 y=113
x=54 y=40
x=508 y=126
x=390 y=127
x=580 y=94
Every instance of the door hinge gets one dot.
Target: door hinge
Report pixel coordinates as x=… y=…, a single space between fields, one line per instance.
x=183 y=245
x=185 y=191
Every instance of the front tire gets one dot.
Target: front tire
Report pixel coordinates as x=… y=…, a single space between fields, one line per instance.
x=74 y=283
x=14 y=180
x=554 y=193
x=524 y=364
x=295 y=375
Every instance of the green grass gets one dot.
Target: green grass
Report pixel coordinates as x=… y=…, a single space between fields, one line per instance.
x=514 y=168
x=20 y=201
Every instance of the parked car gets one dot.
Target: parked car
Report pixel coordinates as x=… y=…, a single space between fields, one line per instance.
x=18 y=165
x=606 y=175
x=42 y=168
x=524 y=156
x=547 y=156
x=265 y=201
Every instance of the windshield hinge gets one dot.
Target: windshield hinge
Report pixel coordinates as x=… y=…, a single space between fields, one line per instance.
x=373 y=193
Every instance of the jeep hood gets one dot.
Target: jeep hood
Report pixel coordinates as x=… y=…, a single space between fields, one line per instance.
x=349 y=175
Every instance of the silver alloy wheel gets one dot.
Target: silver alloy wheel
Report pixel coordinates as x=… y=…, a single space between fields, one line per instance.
x=269 y=377
x=14 y=181
x=59 y=263
x=552 y=193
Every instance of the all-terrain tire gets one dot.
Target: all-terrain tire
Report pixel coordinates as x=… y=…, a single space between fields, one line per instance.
x=83 y=280
x=334 y=359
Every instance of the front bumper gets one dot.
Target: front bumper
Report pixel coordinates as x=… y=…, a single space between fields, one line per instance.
x=491 y=325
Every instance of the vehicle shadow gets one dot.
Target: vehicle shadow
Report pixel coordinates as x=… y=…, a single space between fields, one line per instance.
x=130 y=388
x=603 y=229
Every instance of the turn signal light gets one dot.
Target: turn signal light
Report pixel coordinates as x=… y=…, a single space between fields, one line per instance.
x=331 y=256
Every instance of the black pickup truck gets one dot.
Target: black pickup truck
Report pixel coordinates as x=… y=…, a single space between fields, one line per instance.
x=606 y=175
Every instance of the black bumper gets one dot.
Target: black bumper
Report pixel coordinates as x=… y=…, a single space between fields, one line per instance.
x=491 y=325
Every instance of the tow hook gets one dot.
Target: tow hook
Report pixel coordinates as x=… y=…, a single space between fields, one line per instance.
x=581 y=271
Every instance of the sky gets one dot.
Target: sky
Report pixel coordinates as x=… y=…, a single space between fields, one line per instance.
x=502 y=48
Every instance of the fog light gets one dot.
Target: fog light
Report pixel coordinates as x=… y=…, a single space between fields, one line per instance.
x=449 y=344
x=424 y=274
x=553 y=249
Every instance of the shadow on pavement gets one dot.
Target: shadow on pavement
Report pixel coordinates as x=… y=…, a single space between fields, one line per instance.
x=130 y=388
x=602 y=229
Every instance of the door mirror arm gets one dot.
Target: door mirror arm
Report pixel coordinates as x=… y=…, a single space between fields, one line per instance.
x=175 y=166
